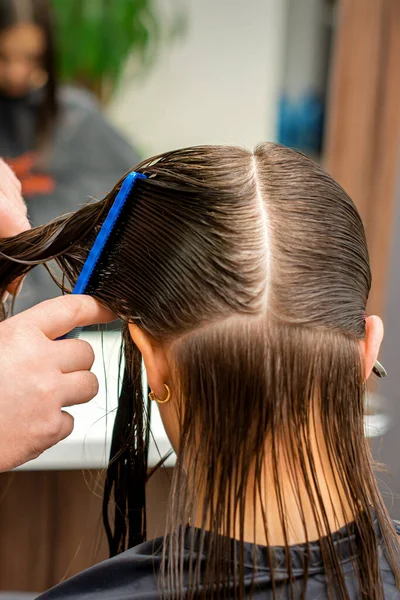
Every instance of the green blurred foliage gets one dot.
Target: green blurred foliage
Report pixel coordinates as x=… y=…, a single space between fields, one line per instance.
x=95 y=37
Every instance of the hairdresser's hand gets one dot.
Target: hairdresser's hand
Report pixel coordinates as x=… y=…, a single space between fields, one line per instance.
x=13 y=217
x=39 y=376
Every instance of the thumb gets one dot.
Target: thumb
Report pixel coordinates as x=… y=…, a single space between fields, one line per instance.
x=58 y=316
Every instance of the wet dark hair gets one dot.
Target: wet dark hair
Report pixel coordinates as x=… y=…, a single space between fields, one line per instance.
x=254 y=268
x=38 y=12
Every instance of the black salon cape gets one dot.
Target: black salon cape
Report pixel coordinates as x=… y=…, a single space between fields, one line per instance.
x=86 y=158
x=131 y=575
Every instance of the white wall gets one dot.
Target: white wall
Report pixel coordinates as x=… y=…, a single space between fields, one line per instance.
x=219 y=84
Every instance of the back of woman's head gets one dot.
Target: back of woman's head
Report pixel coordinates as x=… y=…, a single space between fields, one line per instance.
x=219 y=232
x=253 y=268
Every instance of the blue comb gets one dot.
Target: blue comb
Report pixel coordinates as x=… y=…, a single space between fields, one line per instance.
x=101 y=240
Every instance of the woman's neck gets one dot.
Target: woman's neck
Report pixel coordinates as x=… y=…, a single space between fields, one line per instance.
x=306 y=506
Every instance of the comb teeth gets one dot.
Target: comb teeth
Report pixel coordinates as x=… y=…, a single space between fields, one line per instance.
x=72 y=335
x=105 y=232
x=101 y=240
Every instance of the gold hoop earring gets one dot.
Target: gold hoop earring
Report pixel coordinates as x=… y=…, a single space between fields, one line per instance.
x=152 y=396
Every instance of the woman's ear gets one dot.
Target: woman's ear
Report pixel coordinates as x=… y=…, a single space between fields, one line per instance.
x=372 y=343
x=154 y=358
x=158 y=373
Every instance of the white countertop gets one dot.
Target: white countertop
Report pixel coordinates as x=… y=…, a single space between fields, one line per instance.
x=89 y=444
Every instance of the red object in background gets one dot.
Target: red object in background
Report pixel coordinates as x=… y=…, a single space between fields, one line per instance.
x=32 y=182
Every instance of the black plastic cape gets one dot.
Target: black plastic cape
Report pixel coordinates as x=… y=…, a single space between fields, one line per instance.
x=132 y=574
